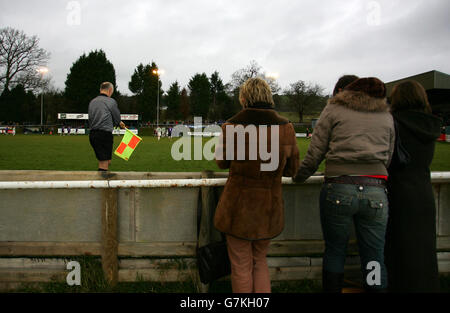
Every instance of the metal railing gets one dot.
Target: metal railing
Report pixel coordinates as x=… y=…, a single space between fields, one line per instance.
x=436 y=177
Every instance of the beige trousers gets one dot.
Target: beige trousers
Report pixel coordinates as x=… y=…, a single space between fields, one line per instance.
x=249 y=270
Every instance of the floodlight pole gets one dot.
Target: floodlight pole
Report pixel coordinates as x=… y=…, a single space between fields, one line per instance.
x=42 y=106
x=157 y=72
x=42 y=71
x=157 y=105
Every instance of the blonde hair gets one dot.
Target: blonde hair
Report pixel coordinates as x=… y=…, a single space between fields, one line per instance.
x=255 y=90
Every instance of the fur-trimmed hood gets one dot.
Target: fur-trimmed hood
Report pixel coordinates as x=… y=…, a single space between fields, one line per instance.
x=258 y=116
x=359 y=101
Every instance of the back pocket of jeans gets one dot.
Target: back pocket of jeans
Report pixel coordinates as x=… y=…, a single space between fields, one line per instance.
x=339 y=204
x=380 y=208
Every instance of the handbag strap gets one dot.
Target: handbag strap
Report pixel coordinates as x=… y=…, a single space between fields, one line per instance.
x=401 y=153
x=199 y=214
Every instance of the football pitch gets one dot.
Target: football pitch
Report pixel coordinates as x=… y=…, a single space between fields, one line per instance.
x=74 y=153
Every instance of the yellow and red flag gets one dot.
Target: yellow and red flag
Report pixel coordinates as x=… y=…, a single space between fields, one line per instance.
x=128 y=144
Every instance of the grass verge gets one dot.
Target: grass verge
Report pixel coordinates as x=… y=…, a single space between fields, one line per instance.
x=74 y=153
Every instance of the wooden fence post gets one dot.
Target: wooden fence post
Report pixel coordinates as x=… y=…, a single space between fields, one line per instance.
x=110 y=263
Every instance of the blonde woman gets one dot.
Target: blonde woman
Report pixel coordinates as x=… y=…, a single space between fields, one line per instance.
x=250 y=211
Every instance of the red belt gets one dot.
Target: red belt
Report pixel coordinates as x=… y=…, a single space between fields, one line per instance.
x=357 y=180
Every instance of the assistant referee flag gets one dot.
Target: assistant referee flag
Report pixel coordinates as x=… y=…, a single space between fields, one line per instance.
x=128 y=144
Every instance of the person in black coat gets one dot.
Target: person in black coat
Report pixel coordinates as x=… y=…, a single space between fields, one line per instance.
x=410 y=250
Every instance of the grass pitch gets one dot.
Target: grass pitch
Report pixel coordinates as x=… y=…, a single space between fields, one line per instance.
x=74 y=153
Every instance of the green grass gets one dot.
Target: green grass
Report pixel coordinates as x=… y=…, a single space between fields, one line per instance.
x=74 y=153
x=294 y=117
x=441 y=160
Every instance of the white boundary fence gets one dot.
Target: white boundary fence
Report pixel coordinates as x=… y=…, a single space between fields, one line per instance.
x=158 y=183
x=138 y=223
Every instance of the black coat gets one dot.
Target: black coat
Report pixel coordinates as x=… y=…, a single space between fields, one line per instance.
x=410 y=252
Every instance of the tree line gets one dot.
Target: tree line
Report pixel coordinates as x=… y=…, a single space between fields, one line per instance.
x=205 y=95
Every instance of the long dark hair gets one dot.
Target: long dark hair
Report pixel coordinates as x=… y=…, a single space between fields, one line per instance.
x=409 y=95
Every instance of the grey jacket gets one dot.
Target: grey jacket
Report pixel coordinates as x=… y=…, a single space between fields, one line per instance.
x=103 y=113
x=355 y=135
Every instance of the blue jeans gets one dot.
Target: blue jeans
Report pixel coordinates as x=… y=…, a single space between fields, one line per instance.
x=367 y=208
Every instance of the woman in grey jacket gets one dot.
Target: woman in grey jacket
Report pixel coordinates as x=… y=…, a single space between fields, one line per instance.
x=355 y=135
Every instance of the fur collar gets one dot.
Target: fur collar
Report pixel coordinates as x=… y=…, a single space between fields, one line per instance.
x=256 y=116
x=360 y=101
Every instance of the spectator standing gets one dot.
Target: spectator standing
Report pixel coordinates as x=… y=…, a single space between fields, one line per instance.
x=411 y=232
x=250 y=211
x=355 y=134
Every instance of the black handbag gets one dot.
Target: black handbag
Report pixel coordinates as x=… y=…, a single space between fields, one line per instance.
x=401 y=157
x=213 y=262
x=212 y=259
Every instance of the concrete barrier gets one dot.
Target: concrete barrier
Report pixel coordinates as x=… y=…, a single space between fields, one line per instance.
x=50 y=214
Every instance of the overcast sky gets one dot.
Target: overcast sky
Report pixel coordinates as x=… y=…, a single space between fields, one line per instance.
x=315 y=41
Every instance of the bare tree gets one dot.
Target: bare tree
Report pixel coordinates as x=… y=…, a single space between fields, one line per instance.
x=303 y=95
x=20 y=57
x=252 y=70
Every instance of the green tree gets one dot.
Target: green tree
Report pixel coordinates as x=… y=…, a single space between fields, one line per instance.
x=303 y=96
x=84 y=79
x=185 y=108
x=127 y=104
x=220 y=101
x=174 y=101
x=234 y=105
x=200 y=95
x=231 y=107
x=18 y=106
x=144 y=85
x=54 y=103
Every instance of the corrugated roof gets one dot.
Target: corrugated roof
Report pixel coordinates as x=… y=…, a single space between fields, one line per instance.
x=429 y=80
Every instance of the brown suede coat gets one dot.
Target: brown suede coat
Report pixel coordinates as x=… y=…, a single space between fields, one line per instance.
x=251 y=206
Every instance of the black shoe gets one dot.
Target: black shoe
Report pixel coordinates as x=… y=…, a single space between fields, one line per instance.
x=107 y=174
x=375 y=290
x=332 y=282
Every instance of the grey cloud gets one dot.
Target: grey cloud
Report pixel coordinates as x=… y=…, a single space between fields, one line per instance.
x=309 y=40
